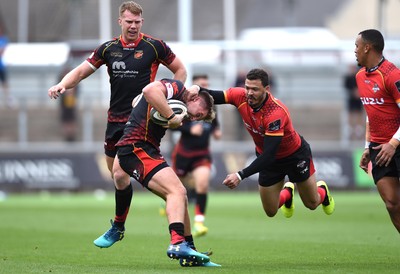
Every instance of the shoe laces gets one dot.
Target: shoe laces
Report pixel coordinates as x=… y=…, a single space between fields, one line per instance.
x=112 y=231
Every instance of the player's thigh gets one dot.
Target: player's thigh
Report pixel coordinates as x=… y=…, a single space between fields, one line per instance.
x=121 y=178
x=389 y=189
x=270 y=196
x=166 y=182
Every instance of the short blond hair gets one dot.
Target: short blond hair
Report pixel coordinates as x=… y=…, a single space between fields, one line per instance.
x=133 y=7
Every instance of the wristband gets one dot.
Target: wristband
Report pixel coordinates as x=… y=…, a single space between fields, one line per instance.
x=171 y=116
x=367 y=144
x=237 y=174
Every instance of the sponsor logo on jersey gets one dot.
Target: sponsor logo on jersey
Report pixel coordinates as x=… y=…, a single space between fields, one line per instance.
x=372 y=101
x=119 y=70
x=119 y=65
x=116 y=54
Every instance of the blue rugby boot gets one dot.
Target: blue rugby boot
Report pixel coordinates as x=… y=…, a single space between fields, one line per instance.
x=194 y=263
x=114 y=234
x=183 y=251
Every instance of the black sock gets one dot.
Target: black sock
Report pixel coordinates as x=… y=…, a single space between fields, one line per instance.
x=189 y=240
x=201 y=201
x=123 y=200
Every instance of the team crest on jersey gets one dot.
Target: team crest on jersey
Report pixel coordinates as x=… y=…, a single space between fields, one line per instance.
x=398 y=85
x=138 y=54
x=275 y=125
x=376 y=88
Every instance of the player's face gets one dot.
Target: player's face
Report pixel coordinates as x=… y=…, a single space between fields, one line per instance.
x=255 y=92
x=131 y=24
x=195 y=110
x=360 y=51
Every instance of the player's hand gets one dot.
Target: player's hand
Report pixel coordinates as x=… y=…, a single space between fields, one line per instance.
x=217 y=133
x=364 y=161
x=176 y=121
x=231 y=181
x=55 y=91
x=196 y=129
x=193 y=92
x=384 y=156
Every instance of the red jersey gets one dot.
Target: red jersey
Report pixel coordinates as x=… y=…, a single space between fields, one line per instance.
x=130 y=68
x=272 y=119
x=140 y=128
x=379 y=90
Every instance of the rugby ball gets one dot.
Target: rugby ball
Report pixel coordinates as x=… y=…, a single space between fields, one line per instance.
x=177 y=106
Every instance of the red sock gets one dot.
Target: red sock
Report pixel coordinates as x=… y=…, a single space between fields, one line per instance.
x=176 y=238
x=322 y=193
x=285 y=195
x=176 y=231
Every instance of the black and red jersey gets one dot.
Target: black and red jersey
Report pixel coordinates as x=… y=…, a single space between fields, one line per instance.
x=190 y=145
x=130 y=68
x=272 y=119
x=379 y=90
x=140 y=128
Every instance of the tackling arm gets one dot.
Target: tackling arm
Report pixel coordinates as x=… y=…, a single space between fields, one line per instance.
x=271 y=144
x=217 y=95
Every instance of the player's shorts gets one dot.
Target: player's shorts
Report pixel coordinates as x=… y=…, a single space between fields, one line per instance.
x=183 y=164
x=68 y=114
x=141 y=161
x=3 y=75
x=298 y=167
x=378 y=172
x=355 y=104
x=114 y=132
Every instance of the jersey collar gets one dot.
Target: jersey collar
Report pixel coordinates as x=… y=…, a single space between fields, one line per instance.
x=369 y=70
x=262 y=104
x=131 y=45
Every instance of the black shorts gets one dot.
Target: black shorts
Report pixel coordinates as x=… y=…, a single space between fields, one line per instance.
x=298 y=167
x=354 y=105
x=114 y=132
x=68 y=115
x=3 y=76
x=378 y=172
x=183 y=165
x=141 y=161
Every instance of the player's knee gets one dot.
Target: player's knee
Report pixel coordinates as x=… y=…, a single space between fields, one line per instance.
x=270 y=212
x=312 y=205
x=393 y=207
x=121 y=179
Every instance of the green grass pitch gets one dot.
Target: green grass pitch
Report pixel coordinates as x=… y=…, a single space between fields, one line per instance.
x=54 y=233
